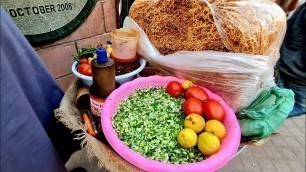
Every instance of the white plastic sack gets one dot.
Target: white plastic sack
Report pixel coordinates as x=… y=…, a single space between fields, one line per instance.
x=238 y=78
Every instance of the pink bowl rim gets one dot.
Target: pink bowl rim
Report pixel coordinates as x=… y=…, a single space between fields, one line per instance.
x=214 y=162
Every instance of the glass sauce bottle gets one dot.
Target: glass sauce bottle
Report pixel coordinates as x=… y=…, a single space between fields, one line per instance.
x=103 y=74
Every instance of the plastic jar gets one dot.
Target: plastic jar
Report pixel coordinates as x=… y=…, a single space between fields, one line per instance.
x=124 y=44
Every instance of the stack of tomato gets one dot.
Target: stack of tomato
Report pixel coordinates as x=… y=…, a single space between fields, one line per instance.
x=197 y=100
x=198 y=108
x=84 y=66
x=86 y=55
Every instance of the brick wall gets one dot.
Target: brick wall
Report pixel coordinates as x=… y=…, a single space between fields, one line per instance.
x=58 y=56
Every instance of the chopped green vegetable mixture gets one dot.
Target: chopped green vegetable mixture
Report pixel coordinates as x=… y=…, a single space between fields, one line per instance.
x=148 y=122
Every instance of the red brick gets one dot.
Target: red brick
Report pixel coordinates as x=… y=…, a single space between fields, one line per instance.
x=64 y=82
x=58 y=59
x=92 y=26
x=109 y=15
x=94 y=41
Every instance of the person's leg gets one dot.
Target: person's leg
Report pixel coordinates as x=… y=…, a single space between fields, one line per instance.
x=28 y=83
x=300 y=100
x=300 y=96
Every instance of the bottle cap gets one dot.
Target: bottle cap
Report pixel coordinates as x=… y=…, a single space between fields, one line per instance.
x=101 y=55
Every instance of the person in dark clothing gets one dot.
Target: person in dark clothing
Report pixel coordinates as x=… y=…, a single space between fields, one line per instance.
x=292 y=63
x=125 y=8
x=31 y=138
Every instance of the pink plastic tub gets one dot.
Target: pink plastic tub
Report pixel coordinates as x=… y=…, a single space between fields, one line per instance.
x=229 y=145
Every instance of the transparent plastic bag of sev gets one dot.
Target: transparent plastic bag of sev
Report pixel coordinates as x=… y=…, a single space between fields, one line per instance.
x=252 y=32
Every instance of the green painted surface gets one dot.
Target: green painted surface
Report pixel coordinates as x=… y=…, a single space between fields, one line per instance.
x=44 y=21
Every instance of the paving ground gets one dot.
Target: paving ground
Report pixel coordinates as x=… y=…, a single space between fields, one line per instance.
x=281 y=153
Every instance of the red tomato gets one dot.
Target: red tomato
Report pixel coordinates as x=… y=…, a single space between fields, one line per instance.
x=196 y=92
x=83 y=61
x=174 y=88
x=84 y=69
x=193 y=105
x=213 y=110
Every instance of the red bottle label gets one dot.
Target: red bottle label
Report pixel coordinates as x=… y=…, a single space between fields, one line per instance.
x=96 y=105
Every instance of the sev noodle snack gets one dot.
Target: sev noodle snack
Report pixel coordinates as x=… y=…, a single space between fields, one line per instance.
x=239 y=29
x=177 y=25
x=240 y=26
x=238 y=78
x=251 y=27
x=140 y=8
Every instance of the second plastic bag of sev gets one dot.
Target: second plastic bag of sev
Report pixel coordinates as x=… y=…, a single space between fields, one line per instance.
x=228 y=46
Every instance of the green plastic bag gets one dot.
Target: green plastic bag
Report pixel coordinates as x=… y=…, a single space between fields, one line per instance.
x=266 y=113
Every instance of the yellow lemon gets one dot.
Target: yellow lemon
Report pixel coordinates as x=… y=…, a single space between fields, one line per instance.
x=90 y=59
x=109 y=49
x=187 y=84
x=215 y=127
x=208 y=143
x=195 y=122
x=187 y=138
